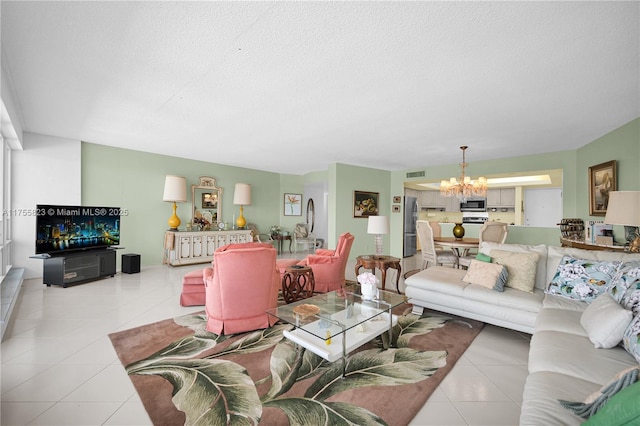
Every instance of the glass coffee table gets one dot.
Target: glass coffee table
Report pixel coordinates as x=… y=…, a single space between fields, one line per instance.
x=333 y=324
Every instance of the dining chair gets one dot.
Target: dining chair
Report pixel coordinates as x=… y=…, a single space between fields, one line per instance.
x=430 y=254
x=493 y=232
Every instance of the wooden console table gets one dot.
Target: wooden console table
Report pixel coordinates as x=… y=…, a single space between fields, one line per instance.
x=588 y=246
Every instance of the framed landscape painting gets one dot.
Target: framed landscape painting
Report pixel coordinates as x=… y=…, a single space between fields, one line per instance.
x=602 y=180
x=365 y=204
x=292 y=204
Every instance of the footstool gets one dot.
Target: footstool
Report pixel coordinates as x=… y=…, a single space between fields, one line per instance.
x=193 y=291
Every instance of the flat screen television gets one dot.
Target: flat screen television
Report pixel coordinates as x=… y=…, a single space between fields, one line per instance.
x=62 y=229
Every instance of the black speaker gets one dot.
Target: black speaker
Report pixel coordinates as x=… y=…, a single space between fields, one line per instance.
x=130 y=263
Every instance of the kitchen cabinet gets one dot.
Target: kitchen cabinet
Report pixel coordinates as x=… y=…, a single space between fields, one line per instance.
x=501 y=197
x=433 y=200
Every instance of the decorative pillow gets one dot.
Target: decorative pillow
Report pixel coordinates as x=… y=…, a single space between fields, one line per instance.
x=631 y=338
x=622 y=409
x=301 y=231
x=483 y=257
x=490 y=275
x=582 y=279
x=521 y=268
x=605 y=321
x=626 y=286
x=596 y=401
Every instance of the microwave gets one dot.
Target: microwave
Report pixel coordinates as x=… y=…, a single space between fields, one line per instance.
x=474 y=205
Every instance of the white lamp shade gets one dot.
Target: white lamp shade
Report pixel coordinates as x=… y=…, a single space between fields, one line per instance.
x=623 y=208
x=242 y=194
x=175 y=189
x=378 y=225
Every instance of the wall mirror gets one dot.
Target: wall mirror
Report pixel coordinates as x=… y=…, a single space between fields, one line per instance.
x=206 y=203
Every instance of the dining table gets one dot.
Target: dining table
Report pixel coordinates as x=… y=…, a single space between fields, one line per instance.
x=459 y=246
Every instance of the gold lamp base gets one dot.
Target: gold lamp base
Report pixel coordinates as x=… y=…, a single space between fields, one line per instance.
x=634 y=246
x=174 y=221
x=241 y=221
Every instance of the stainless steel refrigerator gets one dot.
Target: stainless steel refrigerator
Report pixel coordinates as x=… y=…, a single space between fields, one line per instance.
x=410 y=217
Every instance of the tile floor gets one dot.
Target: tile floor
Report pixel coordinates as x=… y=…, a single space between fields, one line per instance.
x=59 y=368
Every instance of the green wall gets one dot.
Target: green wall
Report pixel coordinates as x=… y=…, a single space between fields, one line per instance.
x=134 y=181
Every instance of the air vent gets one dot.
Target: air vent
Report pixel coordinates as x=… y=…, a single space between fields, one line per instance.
x=415 y=174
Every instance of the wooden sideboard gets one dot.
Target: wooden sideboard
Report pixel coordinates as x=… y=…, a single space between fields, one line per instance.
x=588 y=246
x=189 y=247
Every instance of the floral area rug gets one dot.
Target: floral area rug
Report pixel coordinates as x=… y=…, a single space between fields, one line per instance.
x=188 y=376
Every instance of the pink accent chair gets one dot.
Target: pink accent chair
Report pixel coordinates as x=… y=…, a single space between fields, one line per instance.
x=243 y=283
x=328 y=266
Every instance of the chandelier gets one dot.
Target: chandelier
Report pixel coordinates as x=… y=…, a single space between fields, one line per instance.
x=465 y=187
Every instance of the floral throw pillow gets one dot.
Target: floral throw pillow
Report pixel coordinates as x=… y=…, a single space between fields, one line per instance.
x=582 y=279
x=626 y=287
x=631 y=338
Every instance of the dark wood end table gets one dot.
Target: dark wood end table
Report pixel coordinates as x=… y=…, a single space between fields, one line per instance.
x=381 y=262
x=279 y=239
x=297 y=283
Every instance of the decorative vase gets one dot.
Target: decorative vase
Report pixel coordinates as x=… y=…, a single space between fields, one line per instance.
x=458 y=231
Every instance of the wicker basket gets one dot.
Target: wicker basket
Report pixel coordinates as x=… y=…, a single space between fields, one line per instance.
x=572 y=229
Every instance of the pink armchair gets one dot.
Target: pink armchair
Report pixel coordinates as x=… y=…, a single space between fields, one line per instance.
x=329 y=265
x=241 y=286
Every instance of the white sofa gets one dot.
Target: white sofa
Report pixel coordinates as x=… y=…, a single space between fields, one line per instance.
x=563 y=362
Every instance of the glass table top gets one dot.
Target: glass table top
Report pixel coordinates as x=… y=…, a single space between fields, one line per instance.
x=338 y=311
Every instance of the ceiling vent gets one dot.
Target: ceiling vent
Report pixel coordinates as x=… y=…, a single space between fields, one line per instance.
x=415 y=174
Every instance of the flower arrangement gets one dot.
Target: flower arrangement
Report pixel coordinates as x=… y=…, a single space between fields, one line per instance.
x=201 y=222
x=274 y=230
x=367 y=278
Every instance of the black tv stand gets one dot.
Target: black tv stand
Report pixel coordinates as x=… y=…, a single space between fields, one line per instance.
x=79 y=267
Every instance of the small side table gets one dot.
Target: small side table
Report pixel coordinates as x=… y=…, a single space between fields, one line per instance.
x=297 y=283
x=279 y=239
x=381 y=262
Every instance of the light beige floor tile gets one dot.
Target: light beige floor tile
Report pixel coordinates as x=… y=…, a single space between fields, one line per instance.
x=130 y=413
x=438 y=413
x=491 y=349
x=21 y=413
x=510 y=379
x=467 y=383
x=111 y=384
x=15 y=374
x=489 y=413
x=77 y=413
x=53 y=384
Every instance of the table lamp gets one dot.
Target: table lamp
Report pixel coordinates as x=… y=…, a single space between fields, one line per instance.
x=242 y=197
x=624 y=209
x=378 y=225
x=175 y=191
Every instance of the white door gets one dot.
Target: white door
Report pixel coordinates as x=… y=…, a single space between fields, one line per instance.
x=543 y=207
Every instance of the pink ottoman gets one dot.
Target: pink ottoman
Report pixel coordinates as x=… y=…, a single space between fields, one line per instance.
x=193 y=292
x=283 y=263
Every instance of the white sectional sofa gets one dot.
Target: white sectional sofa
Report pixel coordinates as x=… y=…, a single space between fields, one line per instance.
x=563 y=362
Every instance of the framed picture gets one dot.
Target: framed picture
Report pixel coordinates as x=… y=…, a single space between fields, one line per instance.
x=210 y=200
x=397 y=199
x=395 y=209
x=292 y=204
x=602 y=180
x=365 y=204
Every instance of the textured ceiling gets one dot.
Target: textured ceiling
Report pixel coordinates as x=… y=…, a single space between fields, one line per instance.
x=291 y=87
